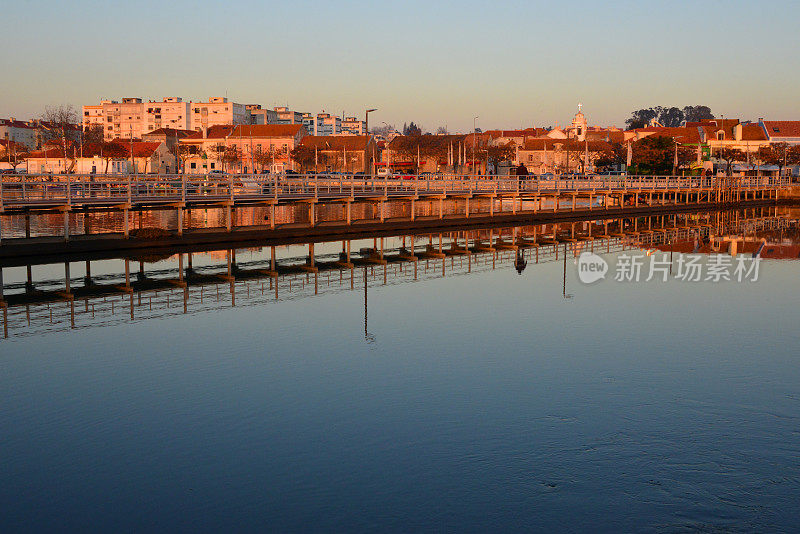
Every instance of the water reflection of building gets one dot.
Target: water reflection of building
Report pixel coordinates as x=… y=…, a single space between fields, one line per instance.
x=113 y=298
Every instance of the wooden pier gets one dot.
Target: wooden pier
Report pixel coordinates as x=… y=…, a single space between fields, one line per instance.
x=470 y=201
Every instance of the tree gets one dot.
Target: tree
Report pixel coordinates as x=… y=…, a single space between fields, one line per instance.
x=616 y=154
x=729 y=156
x=57 y=125
x=263 y=158
x=641 y=118
x=493 y=153
x=15 y=154
x=441 y=130
x=231 y=155
x=93 y=134
x=303 y=155
x=412 y=129
x=182 y=153
x=776 y=154
x=384 y=130
x=697 y=113
x=653 y=154
x=111 y=150
x=668 y=116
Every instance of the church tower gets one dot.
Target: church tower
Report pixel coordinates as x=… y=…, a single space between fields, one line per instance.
x=579 y=125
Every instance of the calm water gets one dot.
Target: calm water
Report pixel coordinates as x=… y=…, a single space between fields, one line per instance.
x=470 y=402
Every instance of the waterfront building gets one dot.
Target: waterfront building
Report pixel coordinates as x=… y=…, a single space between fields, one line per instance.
x=543 y=154
x=117 y=157
x=242 y=148
x=341 y=153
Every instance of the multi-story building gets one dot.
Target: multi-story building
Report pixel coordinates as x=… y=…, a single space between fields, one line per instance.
x=132 y=118
x=309 y=122
x=217 y=111
x=242 y=148
x=171 y=112
x=353 y=126
x=327 y=124
x=258 y=115
x=19 y=132
x=287 y=116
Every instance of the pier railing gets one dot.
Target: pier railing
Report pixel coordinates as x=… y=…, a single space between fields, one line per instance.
x=104 y=189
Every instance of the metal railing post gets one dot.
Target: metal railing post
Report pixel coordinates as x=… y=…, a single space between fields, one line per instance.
x=230 y=185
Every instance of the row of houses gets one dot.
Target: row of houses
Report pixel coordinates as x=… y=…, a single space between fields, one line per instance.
x=249 y=148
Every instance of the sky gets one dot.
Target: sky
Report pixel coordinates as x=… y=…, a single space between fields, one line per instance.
x=437 y=63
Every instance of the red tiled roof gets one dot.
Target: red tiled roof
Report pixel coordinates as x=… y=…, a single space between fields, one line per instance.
x=172 y=132
x=526 y=132
x=681 y=134
x=267 y=130
x=336 y=142
x=142 y=149
x=784 y=128
x=612 y=136
x=753 y=132
x=54 y=153
x=15 y=124
x=8 y=144
x=540 y=143
x=213 y=132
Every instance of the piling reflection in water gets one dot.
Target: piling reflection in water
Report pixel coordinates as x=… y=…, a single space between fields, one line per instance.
x=32 y=307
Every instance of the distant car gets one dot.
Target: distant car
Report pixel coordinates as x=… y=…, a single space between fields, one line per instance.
x=547 y=176
x=383 y=171
x=215 y=171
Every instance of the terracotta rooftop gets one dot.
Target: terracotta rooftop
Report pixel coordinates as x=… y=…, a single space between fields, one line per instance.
x=681 y=134
x=336 y=142
x=782 y=128
x=542 y=143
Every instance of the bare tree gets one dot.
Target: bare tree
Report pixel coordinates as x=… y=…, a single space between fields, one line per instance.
x=59 y=124
x=383 y=130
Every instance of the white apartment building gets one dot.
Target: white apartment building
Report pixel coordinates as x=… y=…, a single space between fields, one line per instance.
x=327 y=124
x=19 y=132
x=353 y=126
x=287 y=116
x=261 y=116
x=217 y=111
x=132 y=118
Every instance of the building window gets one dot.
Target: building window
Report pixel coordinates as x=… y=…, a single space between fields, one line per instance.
x=212 y=165
x=193 y=165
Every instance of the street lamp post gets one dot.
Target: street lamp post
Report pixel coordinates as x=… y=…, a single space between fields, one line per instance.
x=473 y=141
x=366 y=127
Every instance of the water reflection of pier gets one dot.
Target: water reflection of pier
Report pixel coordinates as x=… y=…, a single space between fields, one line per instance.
x=136 y=293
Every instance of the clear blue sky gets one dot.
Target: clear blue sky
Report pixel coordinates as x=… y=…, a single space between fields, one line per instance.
x=521 y=63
